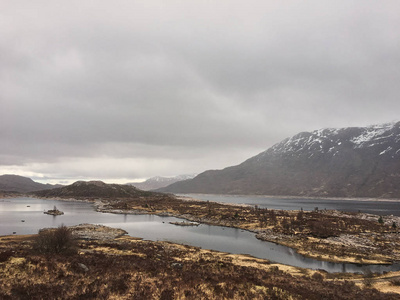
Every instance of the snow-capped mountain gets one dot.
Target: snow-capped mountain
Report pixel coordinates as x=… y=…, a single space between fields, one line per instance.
x=331 y=141
x=160 y=182
x=346 y=162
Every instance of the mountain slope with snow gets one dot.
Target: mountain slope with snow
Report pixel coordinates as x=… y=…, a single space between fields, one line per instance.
x=159 y=182
x=347 y=162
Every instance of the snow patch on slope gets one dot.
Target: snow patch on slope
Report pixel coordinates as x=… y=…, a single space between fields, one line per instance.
x=372 y=133
x=331 y=141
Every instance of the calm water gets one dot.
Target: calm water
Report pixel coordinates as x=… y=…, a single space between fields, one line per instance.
x=381 y=207
x=29 y=210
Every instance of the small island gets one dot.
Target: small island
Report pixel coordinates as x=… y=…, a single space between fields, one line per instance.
x=54 y=212
x=184 y=223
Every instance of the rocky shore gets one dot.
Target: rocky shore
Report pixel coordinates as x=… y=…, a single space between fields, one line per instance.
x=328 y=235
x=184 y=223
x=92 y=232
x=54 y=212
x=360 y=238
x=96 y=232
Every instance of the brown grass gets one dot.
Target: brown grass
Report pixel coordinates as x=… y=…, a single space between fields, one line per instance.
x=315 y=223
x=135 y=269
x=307 y=232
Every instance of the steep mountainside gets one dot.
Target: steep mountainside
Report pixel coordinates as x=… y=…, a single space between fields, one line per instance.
x=15 y=183
x=347 y=162
x=159 y=182
x=94 y=189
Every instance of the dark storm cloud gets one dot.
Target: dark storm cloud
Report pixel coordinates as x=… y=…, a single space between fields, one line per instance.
x=149 y=88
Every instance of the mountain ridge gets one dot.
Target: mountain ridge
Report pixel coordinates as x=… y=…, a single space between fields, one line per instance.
x=344 y=162
x=21 y=184
x=157 y=182
x=94 y=189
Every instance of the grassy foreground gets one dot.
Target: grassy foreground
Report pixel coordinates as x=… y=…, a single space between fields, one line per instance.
x=130 y=268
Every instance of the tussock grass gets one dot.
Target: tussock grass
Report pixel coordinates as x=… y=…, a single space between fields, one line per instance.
x=137 y=269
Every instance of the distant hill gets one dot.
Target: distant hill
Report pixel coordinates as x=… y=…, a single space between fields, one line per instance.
x=9 y=194
x=159 y=182
x=94 y=189
x=16 y=183
x=346 y=162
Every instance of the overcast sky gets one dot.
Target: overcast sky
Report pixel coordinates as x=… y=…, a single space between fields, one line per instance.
x=124 y=90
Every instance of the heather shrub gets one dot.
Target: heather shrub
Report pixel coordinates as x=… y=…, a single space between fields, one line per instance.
x=57 y=240
x=395 y=281
x=317 y=276
x=5 y=255
x=368 y=278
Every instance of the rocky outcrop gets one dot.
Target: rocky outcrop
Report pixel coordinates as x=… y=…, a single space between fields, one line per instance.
x=54 y=212
x=95 y=232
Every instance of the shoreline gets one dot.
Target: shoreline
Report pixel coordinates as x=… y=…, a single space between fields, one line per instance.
x=258 y=233
x=9 y=195
x=271 y=238
x=103 y=206
x=366 y=199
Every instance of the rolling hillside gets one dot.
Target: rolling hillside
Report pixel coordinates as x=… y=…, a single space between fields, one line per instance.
x=94 y=189
x=20 y=184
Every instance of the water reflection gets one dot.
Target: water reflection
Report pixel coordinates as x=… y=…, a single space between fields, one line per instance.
x=378 y=207
x=156 y=228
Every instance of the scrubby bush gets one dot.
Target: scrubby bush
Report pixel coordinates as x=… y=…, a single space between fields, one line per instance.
x=368 y=278
x=395 y=281
x=57 y=240
x=5 y=255
x=318 y=276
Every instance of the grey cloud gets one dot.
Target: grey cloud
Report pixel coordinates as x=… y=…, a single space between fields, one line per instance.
x=187 y=83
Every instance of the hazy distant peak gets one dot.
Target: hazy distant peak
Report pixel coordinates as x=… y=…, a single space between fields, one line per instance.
x=12 y=177
x=159 y=181
x=185 y=177
x=16 y=183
